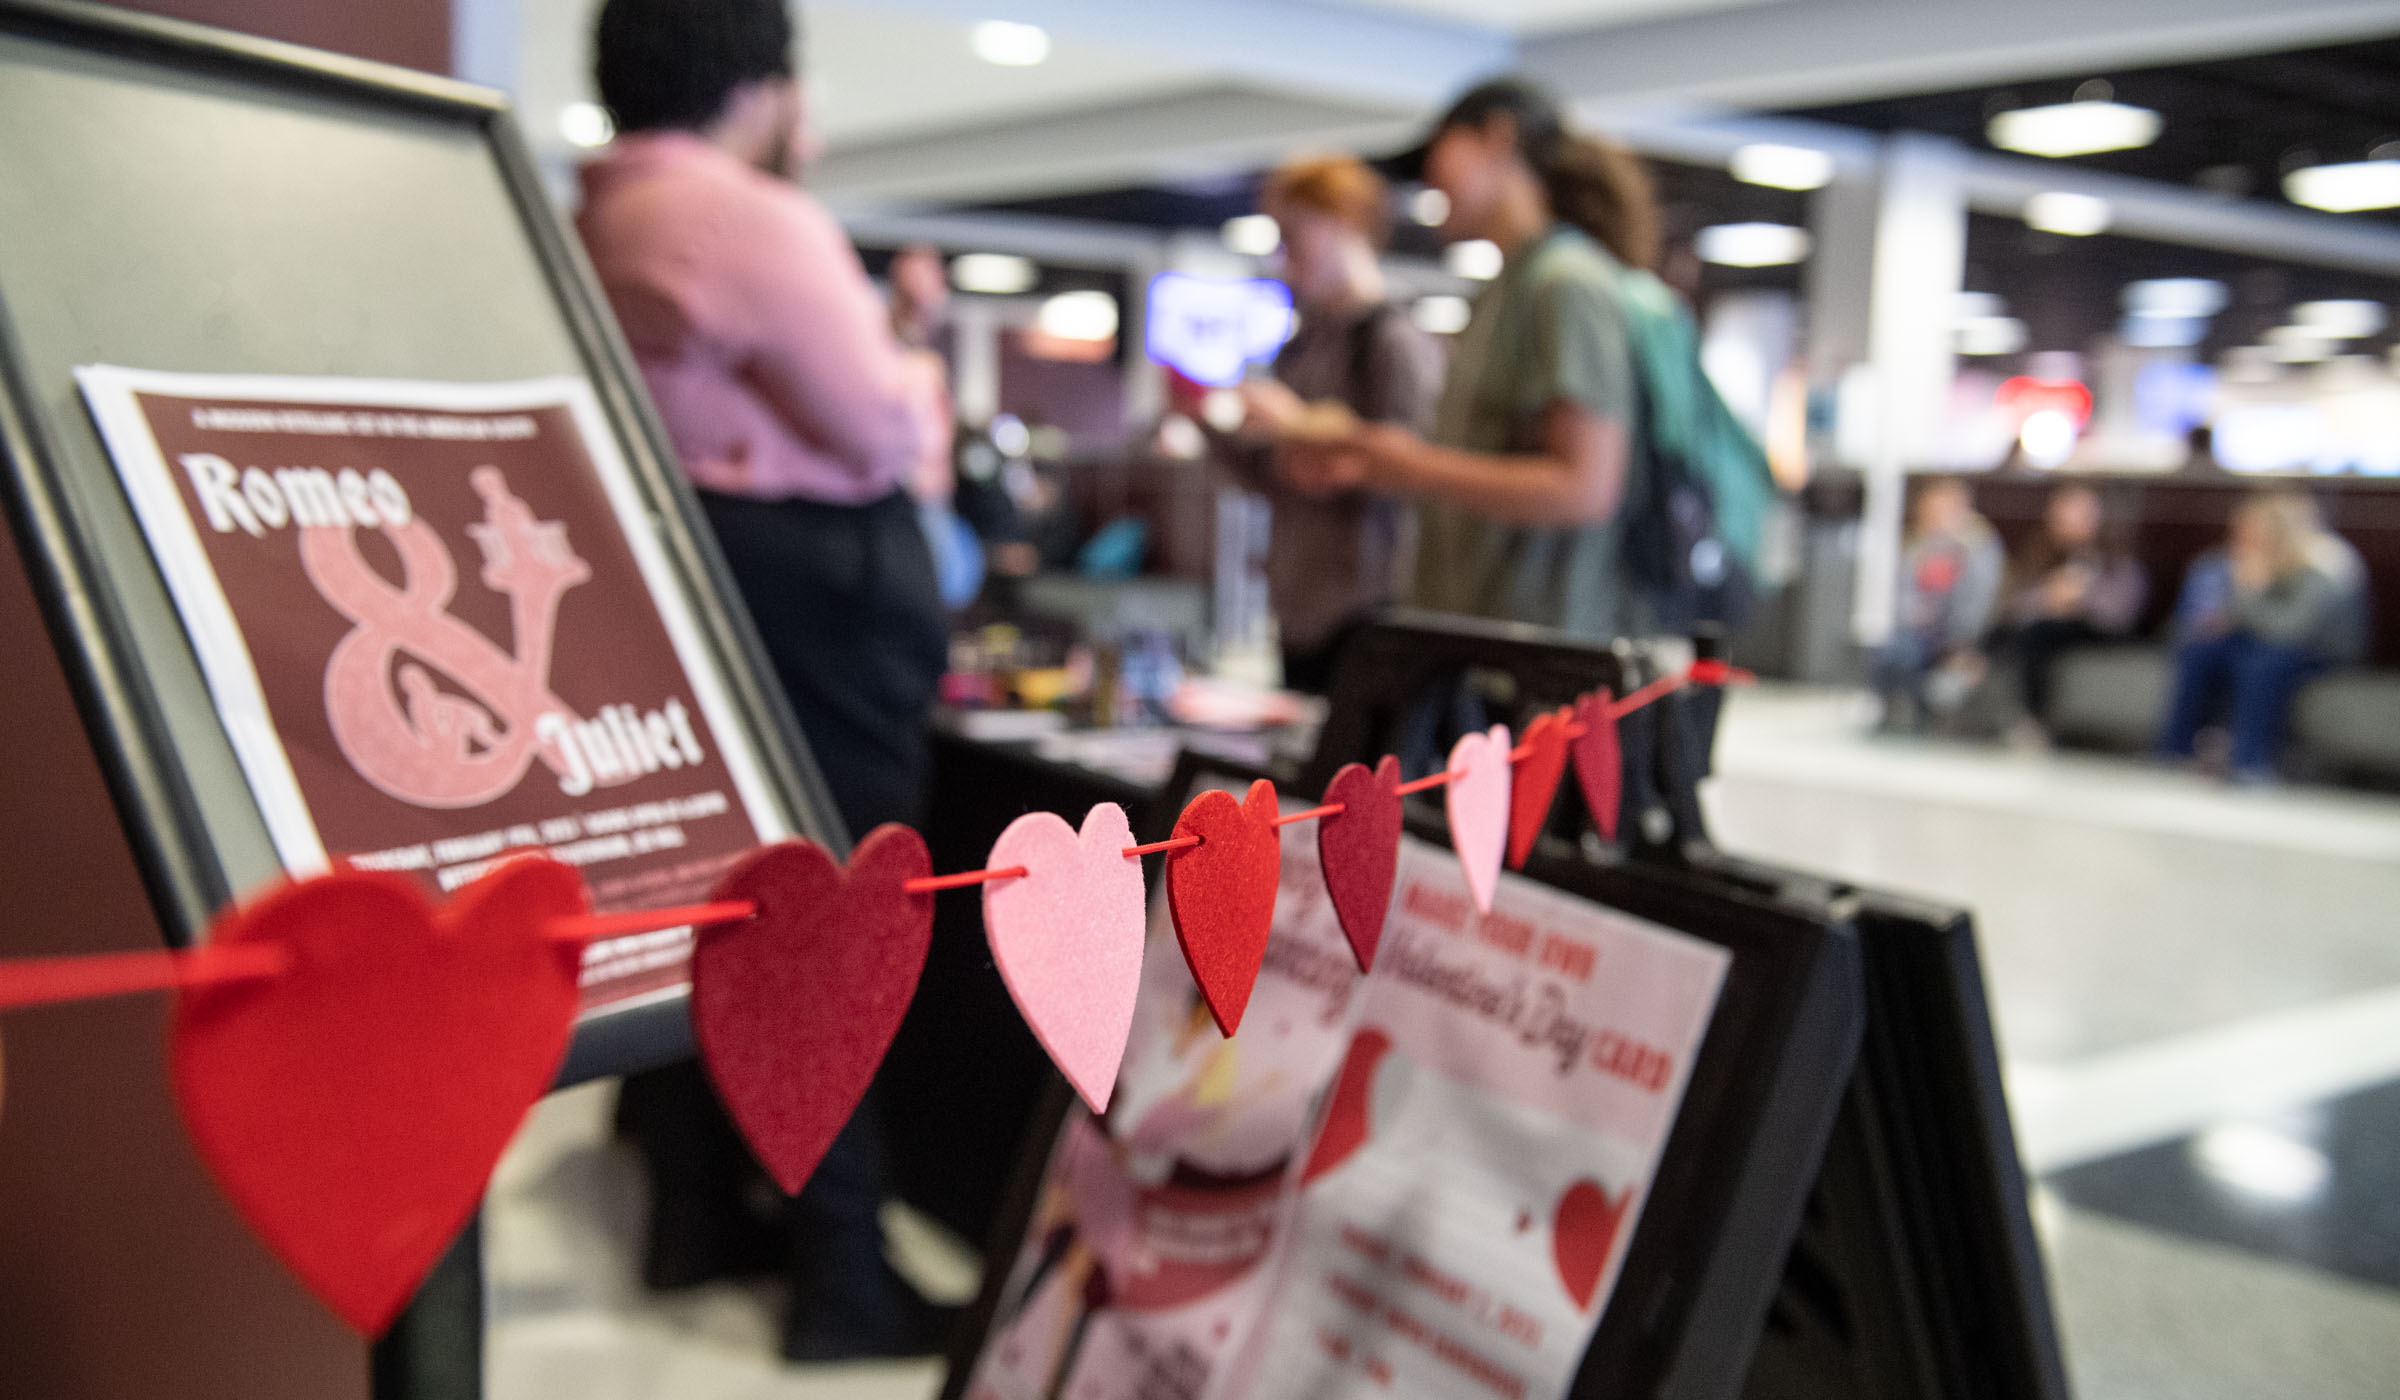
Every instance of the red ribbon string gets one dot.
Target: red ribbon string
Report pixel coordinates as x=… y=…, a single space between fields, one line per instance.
x=40 y=981
x=28 y=982
x=582 y=928
x=928 y=884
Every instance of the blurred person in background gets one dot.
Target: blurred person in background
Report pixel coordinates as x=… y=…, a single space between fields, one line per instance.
x=801 y=421
x=2072 y=585
x=2281 y=602
x=1536 y=456
x=1333 y=553
x=970 y=519
x=1950 y=580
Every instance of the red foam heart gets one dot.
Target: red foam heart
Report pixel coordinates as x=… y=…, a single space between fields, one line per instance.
x=1583 y=1232
x=795 y=1006
x=1349 y=1109
x=353 y=1106
x=1599 y=766
x=1536 y=785
x=1222 y=894
x=1359 y=850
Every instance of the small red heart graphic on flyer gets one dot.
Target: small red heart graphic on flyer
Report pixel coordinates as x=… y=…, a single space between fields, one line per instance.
x=353 y=1106
x=795 y=1006
x=1583 y=1233
x=1536 y=782
x=1067 y=937
x=1477 y=804
x=1359 y=850
x=1350 y=1107
x=1222 y=894
x=1599 y=766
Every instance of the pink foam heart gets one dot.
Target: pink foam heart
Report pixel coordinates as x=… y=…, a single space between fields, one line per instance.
x=1477 y=801
x=1067 y=938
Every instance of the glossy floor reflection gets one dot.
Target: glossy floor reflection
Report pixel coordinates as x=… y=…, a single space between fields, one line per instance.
x=2192 y=985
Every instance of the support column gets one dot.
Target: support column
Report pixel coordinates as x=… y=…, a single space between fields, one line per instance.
x=1884 y=298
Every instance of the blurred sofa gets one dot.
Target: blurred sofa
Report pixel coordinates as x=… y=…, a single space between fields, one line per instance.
x=2345 y=726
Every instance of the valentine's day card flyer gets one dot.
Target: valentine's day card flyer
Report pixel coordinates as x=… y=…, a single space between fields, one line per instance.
x=1146 y=1265
x=1481 y=1160
x=438 y=627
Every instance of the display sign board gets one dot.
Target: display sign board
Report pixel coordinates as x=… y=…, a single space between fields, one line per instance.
x=438 y=628
x=1440 y=1178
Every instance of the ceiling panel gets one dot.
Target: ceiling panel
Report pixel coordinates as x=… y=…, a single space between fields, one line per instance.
x=1535 y=16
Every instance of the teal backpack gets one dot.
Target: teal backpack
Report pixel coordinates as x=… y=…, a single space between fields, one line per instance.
x=1695 y=541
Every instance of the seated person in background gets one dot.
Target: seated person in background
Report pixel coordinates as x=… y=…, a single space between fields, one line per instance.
x=2069 y=587
x=2283 y=601
x=1949 y=588
x=1333 y=553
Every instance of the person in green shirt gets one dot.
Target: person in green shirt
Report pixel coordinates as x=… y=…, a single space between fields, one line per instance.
x=1535 y=460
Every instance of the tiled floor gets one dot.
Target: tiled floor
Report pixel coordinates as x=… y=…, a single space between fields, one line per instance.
x=2198 y=995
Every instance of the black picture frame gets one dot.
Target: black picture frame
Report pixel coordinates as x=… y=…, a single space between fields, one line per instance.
x=135 y=683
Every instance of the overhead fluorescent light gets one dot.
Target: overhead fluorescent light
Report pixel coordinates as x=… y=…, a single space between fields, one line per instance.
x=2340 y=320
x=2076 y=215
x=1752 y=245
x=1479 y=258
x=2298 y=345
x=1782 y=167
x=1254 y=234
x=1441 y=315
x=1009 y=44
x=1078 y=316
x=2346 y=188
x=994 y=274
x=586 y=124
x=2074 y=128
x=1989 y=335
x=1429 y=207
x=2175 y=297
x=1974 y=305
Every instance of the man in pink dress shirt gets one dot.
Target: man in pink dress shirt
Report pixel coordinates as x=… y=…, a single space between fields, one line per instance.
x=799 y=418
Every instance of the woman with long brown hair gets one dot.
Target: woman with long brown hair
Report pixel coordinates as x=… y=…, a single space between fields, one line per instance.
x=1536 y=459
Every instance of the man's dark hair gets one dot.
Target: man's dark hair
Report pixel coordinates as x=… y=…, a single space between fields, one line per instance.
x=675 y=63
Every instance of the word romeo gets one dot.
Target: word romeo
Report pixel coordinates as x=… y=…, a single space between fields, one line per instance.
x=258 y=500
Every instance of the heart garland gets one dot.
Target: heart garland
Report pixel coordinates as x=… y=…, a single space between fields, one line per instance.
x=1067 y=938
x=351 y=1058
x=353 y=1106
x=819 y=975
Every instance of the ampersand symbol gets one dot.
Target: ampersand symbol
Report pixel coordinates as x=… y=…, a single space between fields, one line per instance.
x=420 y=743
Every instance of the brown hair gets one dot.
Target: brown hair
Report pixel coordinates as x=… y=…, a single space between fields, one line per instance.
x=1341 y=186
x=1603 y=189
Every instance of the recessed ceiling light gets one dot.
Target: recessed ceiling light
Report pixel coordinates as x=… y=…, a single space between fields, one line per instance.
x=586 y=124
x=1479 y=258
x=1441 y=315
x=2340 y=320
x=2060 y=211
x=1429 y=207
x=1752 y=245
x=1010 y=44
x=2074 y=128
x=2347 y=188
x=1254 y=234
x=993 y=274
x=1078 y=316
x=1782 y=167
